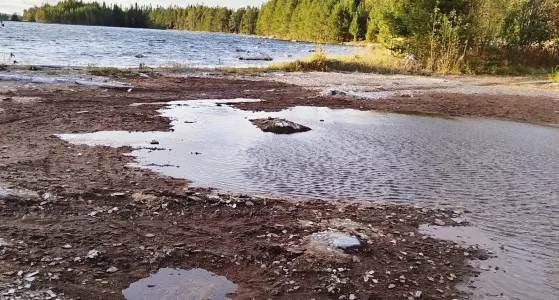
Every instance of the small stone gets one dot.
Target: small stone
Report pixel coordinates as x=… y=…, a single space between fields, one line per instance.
x=32 y=274
x=112 y=270
x=249 y=203
x=150 y=235
x=439 y=222
x=418 y=294
x=391 y=286
x=154 y=142
x=352 y=297
x=93 y=254
x=356 y=259
x=67 y=246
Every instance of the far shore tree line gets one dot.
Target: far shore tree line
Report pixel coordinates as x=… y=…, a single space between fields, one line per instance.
x=12 y=17
x=441 y=35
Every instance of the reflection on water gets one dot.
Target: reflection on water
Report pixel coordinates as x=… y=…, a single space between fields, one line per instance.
x=173 y=284
x=505 y=173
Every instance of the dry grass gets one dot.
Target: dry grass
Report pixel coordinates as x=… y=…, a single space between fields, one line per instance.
x=376 y=60
x=112 y=72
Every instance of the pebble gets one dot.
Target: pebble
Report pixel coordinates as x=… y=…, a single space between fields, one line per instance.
x=150 y=235
x=92 y=254
x=439 y=222
x=67 y=246
x=112 y=270
x=391 y=286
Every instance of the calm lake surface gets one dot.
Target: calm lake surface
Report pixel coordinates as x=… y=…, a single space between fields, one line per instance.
x=505 y=173
x=72 y=45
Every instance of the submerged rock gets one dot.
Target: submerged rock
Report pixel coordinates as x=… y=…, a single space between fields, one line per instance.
x=279 y=126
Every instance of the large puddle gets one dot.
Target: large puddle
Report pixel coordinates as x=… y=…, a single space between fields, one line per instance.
x=505 y=173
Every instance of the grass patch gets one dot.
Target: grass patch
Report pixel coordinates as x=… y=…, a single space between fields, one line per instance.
x=52 y=72
x=377 y=60
x=112 y=72
x=3 y=67
x=243 y=70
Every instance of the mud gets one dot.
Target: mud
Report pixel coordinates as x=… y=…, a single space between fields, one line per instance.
x=139 y=221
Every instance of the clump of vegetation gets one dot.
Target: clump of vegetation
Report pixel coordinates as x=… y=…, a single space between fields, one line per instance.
x=52 y=73
x=377 y=60
x=112 y=72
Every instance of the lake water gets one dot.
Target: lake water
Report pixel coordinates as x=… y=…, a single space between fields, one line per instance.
x=67 y=45
x=505 y=173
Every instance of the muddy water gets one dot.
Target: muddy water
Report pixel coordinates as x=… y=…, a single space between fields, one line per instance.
x=506 y=174
x=173 y=284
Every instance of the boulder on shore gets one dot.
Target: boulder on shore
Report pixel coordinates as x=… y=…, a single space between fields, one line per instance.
x=255 y=56
x=279 y=126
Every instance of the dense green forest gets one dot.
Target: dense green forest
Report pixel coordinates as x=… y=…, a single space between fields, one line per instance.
x=442 y=35
x=193 y=18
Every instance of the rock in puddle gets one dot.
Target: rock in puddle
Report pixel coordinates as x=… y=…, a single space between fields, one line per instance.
x=279 y=126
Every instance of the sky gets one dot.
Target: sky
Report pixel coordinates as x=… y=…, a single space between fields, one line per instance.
x=11 y=6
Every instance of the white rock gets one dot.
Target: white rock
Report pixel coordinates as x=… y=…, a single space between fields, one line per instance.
x=93 y=254
x=391 y=286
x=439 y=222
x=67 y=246
x=337 y=239
x=112 y=270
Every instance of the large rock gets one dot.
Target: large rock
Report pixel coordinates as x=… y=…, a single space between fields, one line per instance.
x=279 y=126
x=255 y=56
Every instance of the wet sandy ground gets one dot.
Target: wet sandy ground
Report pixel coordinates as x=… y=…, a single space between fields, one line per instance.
x=514 y=98
x=159 y=222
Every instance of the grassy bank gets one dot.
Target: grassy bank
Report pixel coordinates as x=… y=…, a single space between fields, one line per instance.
x=377 y=60
x=383 y=61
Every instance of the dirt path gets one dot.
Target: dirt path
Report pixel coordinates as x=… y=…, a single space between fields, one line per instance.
x=87 y=198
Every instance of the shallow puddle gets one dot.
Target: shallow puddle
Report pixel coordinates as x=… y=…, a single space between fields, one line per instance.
x=176 y=284
x=509 y=273
x=505 y=173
